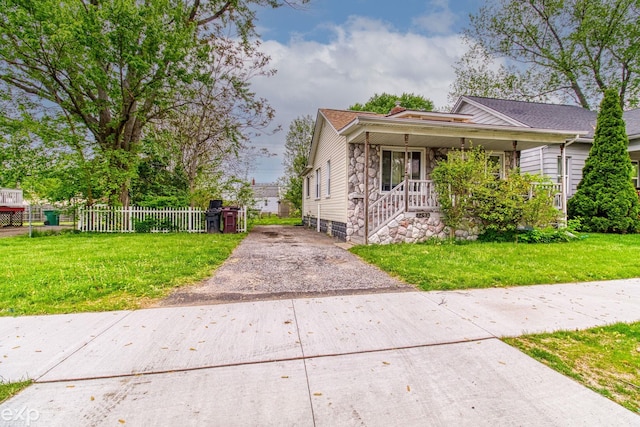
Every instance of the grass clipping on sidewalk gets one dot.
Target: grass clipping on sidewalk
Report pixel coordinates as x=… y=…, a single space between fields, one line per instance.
x=97 y=272
x=605 y=359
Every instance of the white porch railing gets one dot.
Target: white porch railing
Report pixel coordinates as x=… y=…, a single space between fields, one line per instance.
x=107 y=219
x=419 y=196
x=554 y=190
x=422 y=196
x=11 y=198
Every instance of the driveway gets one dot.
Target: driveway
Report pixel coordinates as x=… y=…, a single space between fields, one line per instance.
x=276 y=262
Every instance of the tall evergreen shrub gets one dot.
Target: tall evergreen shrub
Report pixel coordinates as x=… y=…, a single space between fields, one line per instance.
x=606 y=200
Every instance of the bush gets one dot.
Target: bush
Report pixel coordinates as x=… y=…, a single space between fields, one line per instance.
x=546 y=235
x=470 y=194
x=606 y=200
x=150 y=224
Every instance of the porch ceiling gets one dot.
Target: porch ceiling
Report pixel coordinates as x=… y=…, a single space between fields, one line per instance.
x=424 y=133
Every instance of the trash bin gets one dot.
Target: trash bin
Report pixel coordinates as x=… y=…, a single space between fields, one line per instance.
x=213 y=216
x=53 y=217
x=229 y=219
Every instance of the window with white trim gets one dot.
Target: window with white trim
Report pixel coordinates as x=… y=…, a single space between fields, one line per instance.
x=318 y=177
x=308 y=189
x=328 y=173
x=635 y=171
x=392 y=167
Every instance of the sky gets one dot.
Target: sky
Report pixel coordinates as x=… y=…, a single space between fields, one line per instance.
x=335 y=53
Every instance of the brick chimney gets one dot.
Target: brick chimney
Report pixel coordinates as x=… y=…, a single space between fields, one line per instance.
x=397 y=109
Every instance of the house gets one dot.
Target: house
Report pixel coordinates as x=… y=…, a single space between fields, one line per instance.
x=368 y=175
x=548 y=159
x=267 y=197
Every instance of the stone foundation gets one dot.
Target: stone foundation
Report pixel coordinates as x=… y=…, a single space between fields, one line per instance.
x=414 y=228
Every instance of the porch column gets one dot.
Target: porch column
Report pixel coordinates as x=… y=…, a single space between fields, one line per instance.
x=462 y=141
x=514 y=156
x=406 y=172
x=366 y=188
x=563 y=181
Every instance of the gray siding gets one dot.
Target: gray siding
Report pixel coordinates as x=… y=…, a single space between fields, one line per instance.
x=576 y=155
x=481 y=116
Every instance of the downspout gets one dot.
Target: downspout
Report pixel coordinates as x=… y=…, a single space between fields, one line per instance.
x=563 y=160
x=366 y=188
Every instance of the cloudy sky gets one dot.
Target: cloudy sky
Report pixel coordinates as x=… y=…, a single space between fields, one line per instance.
x=334 y=53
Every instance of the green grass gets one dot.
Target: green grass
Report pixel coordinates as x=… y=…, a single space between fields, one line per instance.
x=274 y=220
x=95 y=272
x=10 y=389
x=605 y=359
x=444 y=265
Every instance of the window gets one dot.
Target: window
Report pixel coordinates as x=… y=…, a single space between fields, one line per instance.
x=308 y=189
x=393 y=167
x=328 y=172
x=635 y=173
x=318 y=176
x=495 y=164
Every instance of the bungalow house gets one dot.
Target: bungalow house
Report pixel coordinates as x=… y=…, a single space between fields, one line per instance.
x=548 y=159
x=368 y=175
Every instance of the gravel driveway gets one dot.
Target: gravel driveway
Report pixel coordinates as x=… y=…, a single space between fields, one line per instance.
x=286 y=262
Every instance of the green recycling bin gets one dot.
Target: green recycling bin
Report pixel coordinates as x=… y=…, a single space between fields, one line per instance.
x=53 y=217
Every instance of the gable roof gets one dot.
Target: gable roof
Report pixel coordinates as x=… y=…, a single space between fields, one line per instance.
x=262 y=191
x=632 y=119
x=340 y=118
x=539 y=115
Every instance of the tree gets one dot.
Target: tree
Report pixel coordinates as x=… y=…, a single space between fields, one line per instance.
x=296 y=157
x=109 y=67
x=606 y=200
x=569 y=49
x=384 y=102
x=219 y=115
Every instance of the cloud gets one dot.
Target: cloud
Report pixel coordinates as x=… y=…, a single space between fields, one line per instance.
x=438 y=20
x=363 y=57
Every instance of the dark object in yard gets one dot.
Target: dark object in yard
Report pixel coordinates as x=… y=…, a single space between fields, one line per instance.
x=53 y=217
x=230 y=219
x=213 y=216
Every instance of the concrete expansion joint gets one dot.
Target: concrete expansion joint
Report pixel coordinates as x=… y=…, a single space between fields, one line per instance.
x=262 y=362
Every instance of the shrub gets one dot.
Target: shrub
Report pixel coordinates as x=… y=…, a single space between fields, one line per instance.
x=606 y=200
x=470 y=193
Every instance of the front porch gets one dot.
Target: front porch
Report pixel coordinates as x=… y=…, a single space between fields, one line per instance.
x=391 y=197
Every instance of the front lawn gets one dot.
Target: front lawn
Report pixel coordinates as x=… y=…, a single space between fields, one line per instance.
x=437 y=265
x=605 y=359
x=96 y=272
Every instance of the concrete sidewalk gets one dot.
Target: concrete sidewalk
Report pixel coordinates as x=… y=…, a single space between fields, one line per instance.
x=409 y=358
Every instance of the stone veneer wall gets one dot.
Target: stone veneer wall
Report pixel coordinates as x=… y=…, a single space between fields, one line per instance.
x=357 y=173
x=409 y=227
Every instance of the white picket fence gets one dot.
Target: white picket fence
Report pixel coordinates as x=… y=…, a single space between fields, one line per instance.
x=107 y=219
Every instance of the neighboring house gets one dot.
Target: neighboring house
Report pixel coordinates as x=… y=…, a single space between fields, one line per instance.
x=368 y=177
x=548 y=159
x=11 y=207
x=267 y=198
